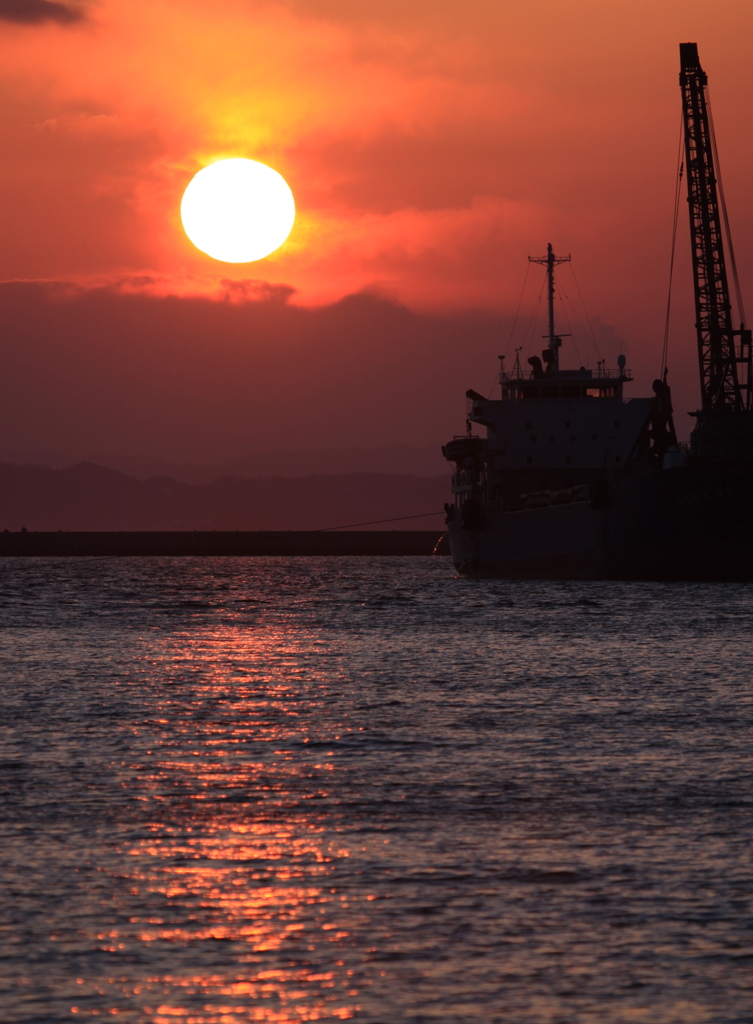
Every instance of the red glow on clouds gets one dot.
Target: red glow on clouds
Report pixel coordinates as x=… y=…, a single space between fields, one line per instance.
x=430 y=146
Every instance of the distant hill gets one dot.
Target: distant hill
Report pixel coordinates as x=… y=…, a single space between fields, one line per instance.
x=390 y=459
x=92 y=497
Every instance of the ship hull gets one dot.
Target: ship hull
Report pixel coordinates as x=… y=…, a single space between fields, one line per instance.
x=687 y=523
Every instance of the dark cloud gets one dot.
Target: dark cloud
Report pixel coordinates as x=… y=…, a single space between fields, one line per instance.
x=194 y=380
x=198 y=380
x=33 y=12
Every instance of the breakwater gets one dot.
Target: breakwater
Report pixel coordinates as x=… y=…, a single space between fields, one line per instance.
x=220 y=542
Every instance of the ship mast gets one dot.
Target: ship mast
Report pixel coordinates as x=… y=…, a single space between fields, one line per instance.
x=722 y=390
x=550 y=261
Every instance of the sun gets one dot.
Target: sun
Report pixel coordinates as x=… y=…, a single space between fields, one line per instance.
x=237 y=210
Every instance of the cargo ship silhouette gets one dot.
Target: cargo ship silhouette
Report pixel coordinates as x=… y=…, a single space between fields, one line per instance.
x=576 y=481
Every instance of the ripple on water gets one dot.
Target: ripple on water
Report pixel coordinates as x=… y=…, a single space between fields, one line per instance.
x=327 y=789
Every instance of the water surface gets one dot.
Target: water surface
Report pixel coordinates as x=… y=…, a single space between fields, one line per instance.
x=322 y=789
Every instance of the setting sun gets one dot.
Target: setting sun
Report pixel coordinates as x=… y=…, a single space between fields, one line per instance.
x=237 y=210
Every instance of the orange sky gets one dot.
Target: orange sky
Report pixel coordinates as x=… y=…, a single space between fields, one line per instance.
x=431 y=144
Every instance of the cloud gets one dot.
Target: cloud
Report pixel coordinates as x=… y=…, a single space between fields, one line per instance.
x=198 y=379
x=429 y=153
x=33 y=12
x=192 y=379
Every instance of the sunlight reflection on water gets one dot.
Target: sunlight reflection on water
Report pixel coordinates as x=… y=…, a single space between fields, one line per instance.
x=327 y=789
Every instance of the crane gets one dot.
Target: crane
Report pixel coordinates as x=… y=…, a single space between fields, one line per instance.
x=724 y=353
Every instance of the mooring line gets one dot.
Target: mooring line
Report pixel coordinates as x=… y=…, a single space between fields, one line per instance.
x=375 y=522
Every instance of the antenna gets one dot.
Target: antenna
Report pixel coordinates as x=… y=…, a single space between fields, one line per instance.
x=550 y=261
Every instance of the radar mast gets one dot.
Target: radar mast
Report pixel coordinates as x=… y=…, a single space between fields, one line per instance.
x=550 y=261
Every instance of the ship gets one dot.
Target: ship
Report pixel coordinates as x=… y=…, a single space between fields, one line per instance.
x=575 y=479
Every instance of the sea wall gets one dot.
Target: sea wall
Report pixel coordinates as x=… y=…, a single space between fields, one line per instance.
x=213 y=543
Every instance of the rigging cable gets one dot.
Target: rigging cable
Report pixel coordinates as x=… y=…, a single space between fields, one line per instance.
x=563 y=307
x=374 y=522
x=678 y=186
x=534 y=318
x=512 y=329
x=585 y=311
x=586 y=328
x=517 y=311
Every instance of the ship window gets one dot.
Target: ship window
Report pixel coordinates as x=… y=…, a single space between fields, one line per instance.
x=530 y=392
x=550 y=392
x=571 y=391
x=593 y=392
x=506 y=393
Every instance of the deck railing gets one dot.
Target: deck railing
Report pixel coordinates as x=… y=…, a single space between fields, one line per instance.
x=601 y=373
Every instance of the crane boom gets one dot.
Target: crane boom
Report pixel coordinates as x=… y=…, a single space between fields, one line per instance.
x=722 y=389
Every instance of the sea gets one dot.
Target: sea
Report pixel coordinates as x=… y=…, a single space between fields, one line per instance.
x=362 y=789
